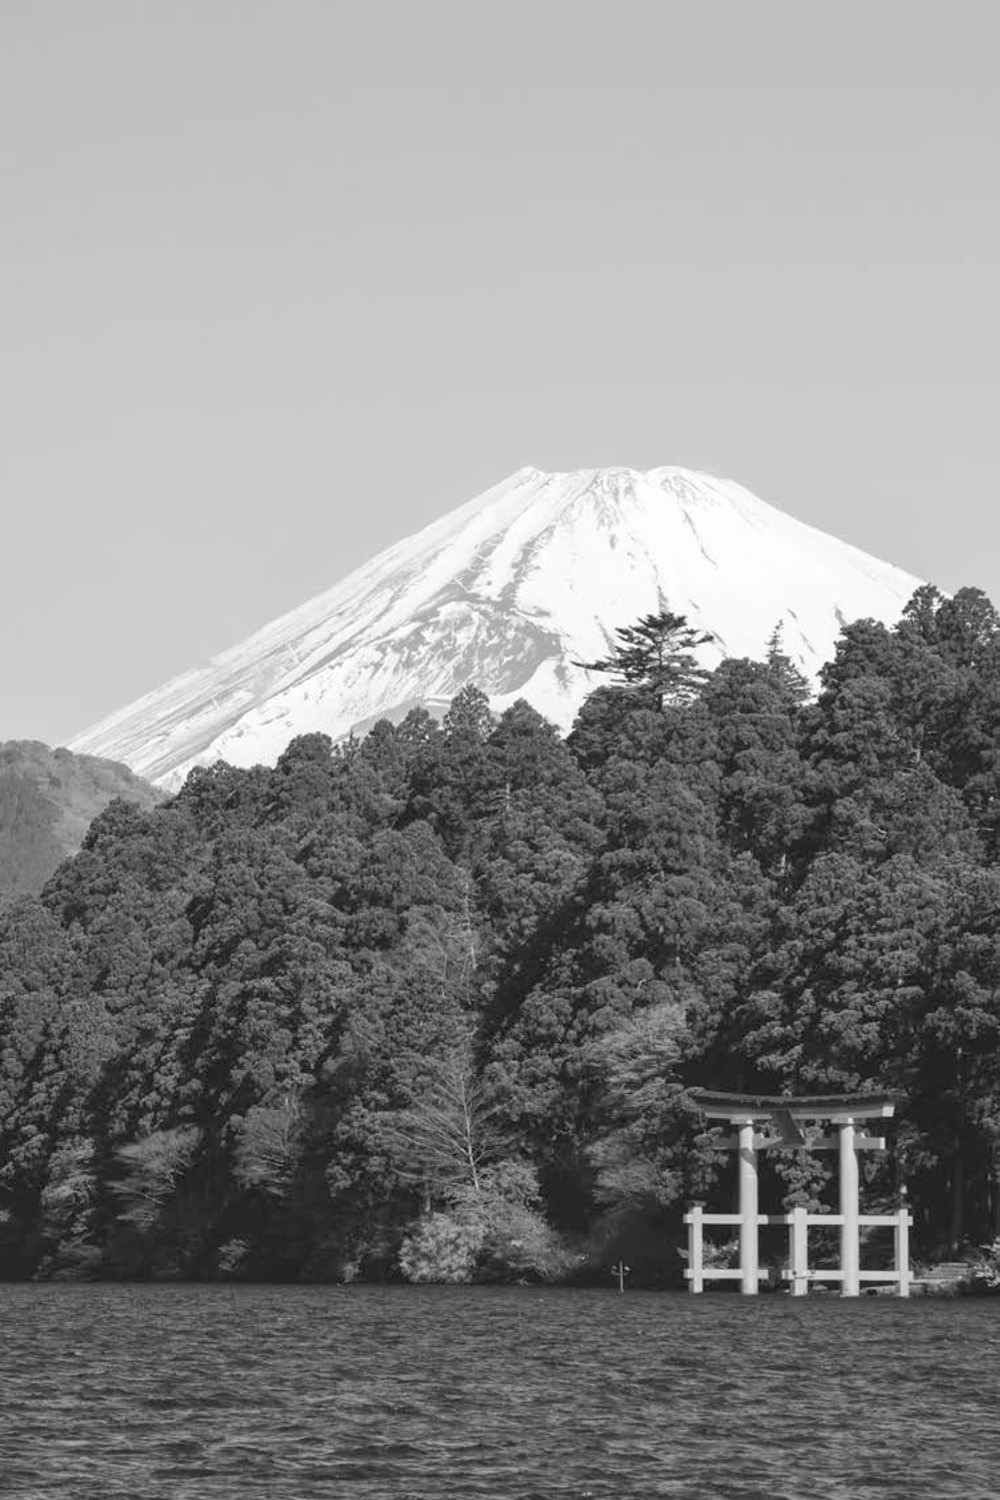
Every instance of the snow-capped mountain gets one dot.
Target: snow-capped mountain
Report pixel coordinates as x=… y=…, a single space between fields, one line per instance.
x=507 y=592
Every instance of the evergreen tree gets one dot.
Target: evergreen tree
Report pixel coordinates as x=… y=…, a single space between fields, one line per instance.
x=657 y=655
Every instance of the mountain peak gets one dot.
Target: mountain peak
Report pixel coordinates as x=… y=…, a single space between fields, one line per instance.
x=509 y=591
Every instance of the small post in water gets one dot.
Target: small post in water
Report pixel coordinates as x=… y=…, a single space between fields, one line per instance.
x=621 y=1270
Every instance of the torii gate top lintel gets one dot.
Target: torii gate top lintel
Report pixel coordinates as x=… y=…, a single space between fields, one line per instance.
x=763 y=1107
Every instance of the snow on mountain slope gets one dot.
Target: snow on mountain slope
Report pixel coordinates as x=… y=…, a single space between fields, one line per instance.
x=506 y=592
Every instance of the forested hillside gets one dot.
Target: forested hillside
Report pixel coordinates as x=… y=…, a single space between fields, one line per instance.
x=430 y=1004
x=48 y=799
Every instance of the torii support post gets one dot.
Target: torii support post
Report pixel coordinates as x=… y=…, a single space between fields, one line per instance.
x=696 y=1248
x=799 y=1252
x=901 y=1235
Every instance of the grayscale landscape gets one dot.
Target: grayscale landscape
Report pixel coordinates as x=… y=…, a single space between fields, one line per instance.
x=500 y=752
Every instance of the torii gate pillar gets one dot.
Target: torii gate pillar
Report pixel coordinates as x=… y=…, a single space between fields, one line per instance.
x=850 y=1247
x=749 y=1210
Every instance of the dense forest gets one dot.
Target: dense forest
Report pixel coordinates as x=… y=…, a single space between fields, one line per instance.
x=431 y=1004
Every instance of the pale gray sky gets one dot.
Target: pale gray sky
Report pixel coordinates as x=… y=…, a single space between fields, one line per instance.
x=281 y=282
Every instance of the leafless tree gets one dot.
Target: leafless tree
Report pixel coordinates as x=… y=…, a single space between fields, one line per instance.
x=450 y=1132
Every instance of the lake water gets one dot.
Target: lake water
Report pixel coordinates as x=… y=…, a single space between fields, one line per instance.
x=285 y=1393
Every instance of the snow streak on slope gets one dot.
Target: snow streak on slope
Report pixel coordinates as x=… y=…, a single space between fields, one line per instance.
x=506 y=592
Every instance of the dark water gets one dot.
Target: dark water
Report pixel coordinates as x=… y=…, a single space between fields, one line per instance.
x=263 y=1393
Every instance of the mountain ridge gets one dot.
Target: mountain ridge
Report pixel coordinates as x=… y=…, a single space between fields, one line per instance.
x=48 y=799
x=510 y=591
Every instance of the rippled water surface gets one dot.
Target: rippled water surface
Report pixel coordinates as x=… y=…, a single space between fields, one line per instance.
x=261 y=1393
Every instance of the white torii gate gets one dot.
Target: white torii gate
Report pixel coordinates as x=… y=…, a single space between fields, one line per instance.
x=768 y=1121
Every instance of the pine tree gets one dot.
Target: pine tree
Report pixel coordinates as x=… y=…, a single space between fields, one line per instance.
x=657 y=655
